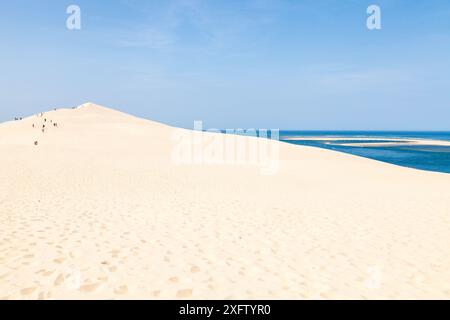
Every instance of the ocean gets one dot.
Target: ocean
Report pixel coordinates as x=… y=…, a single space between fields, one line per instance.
x=423 y=157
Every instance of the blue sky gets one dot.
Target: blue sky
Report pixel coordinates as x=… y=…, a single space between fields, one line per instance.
x=297 y=64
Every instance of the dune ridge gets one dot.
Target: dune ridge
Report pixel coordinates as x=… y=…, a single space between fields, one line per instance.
x=98 y=210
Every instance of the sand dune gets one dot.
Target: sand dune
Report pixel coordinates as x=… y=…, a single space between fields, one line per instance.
x=98 y=210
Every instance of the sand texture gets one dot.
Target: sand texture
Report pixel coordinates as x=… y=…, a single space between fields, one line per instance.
x=99 y=210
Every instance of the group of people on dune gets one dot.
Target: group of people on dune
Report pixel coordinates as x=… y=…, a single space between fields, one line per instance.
x=45 y=125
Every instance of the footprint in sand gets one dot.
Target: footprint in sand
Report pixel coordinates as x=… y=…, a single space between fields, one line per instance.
x=112 y=269
x=44 y=295
x=28 y=291
x=121 y=290
x=195 y=269
x=156 y=293
x=90 y=287
x=4 y=275
x=59 y=280
x=59 y=260
x=184 y=293
x=115 y=253
x=48 y=273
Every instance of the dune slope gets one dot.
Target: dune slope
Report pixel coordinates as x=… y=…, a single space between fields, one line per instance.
x=98 y=210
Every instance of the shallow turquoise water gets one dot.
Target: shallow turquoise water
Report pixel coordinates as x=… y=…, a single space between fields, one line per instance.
x=431 y=158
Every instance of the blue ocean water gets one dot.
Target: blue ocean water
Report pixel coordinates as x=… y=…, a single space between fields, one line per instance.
x=423 y=157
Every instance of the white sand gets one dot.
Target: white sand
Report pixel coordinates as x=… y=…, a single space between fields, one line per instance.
x=362 y=141
x=98 y=210
x=406 y=142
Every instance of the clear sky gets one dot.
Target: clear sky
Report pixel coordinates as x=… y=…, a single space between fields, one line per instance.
x=297 y=64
